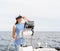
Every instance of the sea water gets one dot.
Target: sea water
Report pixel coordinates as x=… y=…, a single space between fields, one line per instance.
x=46 y=39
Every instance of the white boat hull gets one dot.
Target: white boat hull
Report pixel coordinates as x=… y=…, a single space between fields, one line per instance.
x=45 y=49
x=29 y=48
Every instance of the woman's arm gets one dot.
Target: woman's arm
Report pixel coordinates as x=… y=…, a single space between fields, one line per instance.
x=24 y=17
x=13 y=33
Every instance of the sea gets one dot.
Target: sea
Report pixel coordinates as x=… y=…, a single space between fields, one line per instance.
x=49 y=39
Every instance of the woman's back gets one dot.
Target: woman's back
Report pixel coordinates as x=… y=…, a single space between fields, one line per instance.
x=19 y=29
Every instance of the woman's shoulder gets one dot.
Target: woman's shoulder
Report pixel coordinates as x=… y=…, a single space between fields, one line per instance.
x=14 y=26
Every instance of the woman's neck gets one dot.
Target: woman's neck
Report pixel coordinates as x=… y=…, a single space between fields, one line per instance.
x=19 y=22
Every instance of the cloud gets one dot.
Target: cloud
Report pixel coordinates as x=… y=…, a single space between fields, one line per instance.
x=45 y=13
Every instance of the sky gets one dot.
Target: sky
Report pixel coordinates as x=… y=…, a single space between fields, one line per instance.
x=44 y=13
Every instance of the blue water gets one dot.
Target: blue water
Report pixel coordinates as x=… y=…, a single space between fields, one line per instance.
x=51 y=39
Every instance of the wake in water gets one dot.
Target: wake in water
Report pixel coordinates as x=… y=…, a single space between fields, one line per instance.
x=51 y=39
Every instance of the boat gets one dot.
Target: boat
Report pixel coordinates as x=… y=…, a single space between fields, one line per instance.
x=28 y=32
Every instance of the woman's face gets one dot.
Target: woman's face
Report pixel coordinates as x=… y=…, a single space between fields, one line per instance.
x=19 y=20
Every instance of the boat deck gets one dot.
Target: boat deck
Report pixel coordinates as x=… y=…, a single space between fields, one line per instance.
x=29 y=48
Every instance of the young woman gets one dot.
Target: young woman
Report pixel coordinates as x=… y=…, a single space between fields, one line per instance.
x=17 y=28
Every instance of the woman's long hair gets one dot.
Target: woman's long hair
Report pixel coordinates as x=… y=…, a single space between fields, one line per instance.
x=17 y=19
x=16 y=22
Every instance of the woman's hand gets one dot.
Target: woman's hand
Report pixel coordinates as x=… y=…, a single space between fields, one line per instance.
x=16 y=38
x=24 y=17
